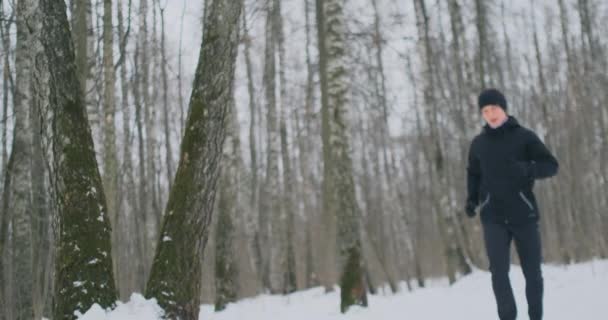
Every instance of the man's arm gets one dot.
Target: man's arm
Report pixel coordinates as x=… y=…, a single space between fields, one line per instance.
x=542 y=163
x=473 y=178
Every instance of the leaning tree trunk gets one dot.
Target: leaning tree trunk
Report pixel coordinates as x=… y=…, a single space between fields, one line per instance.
x=342 y=188
x=84 y=258
x=175 y=275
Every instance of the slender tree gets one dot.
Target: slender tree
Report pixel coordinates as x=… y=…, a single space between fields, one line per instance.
x=271 y=222
x=17 y=200
x=342 y=188
x=176 y=269
x=289 y=261
x=110 y=157
x=226 y=267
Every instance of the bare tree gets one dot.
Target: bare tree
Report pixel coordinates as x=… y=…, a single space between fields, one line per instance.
x=175 y=275
x=84 y=259
x=226 y=268
x=17 y=201
x=341 y=189
x=270 y=217
x=287 y=215
x=434 y=155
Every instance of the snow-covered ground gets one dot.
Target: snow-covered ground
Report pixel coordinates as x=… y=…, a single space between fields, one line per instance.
x=571 y=292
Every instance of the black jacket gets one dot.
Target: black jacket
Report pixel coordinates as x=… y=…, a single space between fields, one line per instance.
x=503 y=164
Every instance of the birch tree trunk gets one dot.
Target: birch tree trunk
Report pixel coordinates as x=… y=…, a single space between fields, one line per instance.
x=176 y=269
x=110 y=158
x=455 y=261
x=287 y=216
x=166 y=120
x=270 y=220
x=342 y=189
x=84 y=258
x=17 y=200
x=253 y=217
x=134 y=274
x=43 y=239
x=150 y=207
x=328 y=219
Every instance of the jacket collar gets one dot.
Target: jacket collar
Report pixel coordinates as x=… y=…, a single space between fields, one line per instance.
x=509 y=124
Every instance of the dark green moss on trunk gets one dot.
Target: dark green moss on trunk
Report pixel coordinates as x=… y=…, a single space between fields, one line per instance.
x=353 y=291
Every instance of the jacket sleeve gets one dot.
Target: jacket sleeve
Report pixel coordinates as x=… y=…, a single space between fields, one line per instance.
x=542 y=163
x=473 y=177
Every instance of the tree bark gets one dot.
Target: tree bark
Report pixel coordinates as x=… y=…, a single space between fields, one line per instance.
x=17 y=203
x=84 y=258
x=176 y=269
x=110 y=158
x=328 y=225
x=226 y=267
x=455 y=262
x=164 y=76
x=342 y=190
x=289 y=269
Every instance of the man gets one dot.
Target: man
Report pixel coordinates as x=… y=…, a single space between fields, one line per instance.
x=504 y=161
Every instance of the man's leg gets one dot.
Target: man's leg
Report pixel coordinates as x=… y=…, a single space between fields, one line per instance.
x=527 y=242
x=498 y=243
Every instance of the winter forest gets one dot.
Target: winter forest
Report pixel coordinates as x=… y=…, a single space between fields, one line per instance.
x=204 y=152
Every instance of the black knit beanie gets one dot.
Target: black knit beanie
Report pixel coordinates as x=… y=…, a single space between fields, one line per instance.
x=492 y=96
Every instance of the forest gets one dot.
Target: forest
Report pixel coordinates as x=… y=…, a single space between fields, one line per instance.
x=209 y=151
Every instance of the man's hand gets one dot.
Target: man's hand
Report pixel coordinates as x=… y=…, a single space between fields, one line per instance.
x=469 y=209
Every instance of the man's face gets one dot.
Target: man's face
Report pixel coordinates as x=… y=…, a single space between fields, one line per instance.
x=493 y=115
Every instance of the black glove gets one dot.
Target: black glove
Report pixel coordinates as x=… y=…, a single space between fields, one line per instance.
x=469 y=209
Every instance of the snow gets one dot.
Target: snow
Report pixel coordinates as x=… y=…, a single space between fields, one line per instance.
x=138 y=308
x=571 y=292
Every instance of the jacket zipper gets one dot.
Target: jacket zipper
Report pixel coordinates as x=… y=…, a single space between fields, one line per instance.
x=484 y=203
x=523 y=197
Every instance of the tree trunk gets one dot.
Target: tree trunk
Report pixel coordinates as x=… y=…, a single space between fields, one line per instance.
x=455 y=262
x=175 y=275
x=328 y=219
x=84 y=258
x=226 y=267
x=289 y=269
x=6 y=81
x=133 y=275
x=150 y=207
x=110 y=158
x=305 y=154
x=43 y=240
x=42 y=237
x=17 y=199
x=168 y=148
x=342 y=190
x=256 y=262
x=271 y=222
